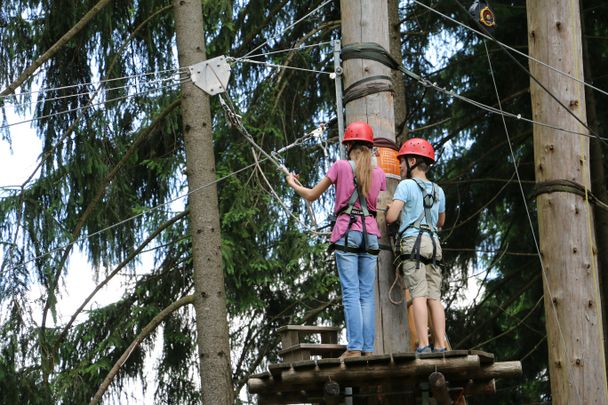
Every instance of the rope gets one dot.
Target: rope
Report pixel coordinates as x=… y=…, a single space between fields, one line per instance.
x=236 y=121
x=124 y=221
x=502 y=44
x=87 y=93
x=378 y=53
x=288 y=27
x=298 y=48
x=545 y=89
x=93 y=83
x=274 y=65
x=89 y=106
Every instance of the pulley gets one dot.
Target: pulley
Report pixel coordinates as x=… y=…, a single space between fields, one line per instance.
x=483 y=14
x=211 y=75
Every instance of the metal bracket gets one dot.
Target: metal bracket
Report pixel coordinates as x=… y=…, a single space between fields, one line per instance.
x=211 y=75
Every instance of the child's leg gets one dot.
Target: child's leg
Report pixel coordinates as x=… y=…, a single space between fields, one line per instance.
x=421 y=320
x=433 y=277
x=438 y=319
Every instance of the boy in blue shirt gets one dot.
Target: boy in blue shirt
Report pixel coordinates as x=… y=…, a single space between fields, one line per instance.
x=419 y=204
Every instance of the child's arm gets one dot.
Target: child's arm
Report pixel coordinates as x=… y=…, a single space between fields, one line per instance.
x=394 y=210
x=441 y=220
x=309 y=194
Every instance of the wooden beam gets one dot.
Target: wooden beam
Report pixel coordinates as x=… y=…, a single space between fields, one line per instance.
x=439 y=388
x=503 y=369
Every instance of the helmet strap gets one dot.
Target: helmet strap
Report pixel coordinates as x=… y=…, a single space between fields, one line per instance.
x=408 y=173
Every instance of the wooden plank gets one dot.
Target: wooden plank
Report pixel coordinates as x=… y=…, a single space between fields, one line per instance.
x=484 y=357
x=296 y=355
x=447 y=354
x=263 y=375
x=501 y=369
x=329 y=337
x=404 y=357
x=304 y=365
x=327 y=363
x=378 y=359
x=276 y=369
x=308 y=328
x=314 y=348
x=290 y=338
x=355 y=361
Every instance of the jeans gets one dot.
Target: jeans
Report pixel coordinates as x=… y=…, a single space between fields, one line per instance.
x=357 y=273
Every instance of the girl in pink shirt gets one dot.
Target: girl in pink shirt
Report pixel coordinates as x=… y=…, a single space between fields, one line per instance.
x=355 y=234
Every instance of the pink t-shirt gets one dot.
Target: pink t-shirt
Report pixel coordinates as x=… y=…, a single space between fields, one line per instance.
x=341 y=174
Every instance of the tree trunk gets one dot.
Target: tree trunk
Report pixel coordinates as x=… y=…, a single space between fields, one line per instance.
x=598 y=183
x=209 y=297
x=567 y=242
x=367 y=21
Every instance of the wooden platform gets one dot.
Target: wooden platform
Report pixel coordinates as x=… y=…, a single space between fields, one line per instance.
x=462 y=372
x=295 y=346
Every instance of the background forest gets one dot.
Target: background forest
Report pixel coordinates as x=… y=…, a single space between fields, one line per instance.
x=110 y=181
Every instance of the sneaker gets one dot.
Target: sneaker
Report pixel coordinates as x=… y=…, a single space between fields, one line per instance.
x=423 y=350
x=442 y=350
x=350 y=353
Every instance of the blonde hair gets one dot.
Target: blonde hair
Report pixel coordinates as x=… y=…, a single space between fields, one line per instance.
x=361 y=154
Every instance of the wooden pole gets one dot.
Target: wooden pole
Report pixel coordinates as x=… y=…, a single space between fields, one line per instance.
x=565 y=220
x=209 y=294
x=367 y=21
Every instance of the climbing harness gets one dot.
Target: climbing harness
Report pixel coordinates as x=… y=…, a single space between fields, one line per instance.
x=354 y=213
x=428 y=201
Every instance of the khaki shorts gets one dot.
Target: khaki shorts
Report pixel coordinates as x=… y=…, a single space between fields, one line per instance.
x=424 y=281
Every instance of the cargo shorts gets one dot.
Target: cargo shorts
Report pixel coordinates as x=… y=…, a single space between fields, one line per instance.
x=424 y=281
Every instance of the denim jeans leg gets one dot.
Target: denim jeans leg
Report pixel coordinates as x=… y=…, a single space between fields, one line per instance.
x=347 y=263
x=367 y=277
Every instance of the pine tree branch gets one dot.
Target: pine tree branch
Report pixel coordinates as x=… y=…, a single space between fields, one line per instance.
x=149 y=328
x=56 y=47
x=124 y=263
x=514 y=298
x=53 y=282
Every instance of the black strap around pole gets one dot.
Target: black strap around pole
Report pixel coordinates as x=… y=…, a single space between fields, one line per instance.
x=369 y=50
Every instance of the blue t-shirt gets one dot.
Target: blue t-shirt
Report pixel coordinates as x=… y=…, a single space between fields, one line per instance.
x=409 y=192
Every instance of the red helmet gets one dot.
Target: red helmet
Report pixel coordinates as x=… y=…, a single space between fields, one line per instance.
x=358 y=131
x=417 y=147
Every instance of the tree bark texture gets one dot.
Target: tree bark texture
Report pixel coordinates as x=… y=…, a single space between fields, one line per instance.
x=367 y=21
x=209 y=297
x=567 y=241
x=598 y=182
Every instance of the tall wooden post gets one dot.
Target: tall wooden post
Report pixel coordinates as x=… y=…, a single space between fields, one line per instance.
x=567 y=242
x=210 y=297
x=367 y=21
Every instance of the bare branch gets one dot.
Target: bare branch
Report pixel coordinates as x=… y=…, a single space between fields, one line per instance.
x=189 y=299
